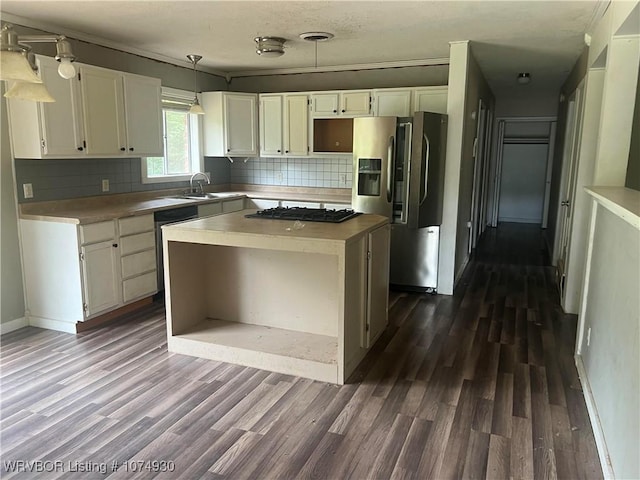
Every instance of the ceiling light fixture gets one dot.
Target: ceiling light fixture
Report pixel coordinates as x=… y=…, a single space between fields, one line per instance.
x=524 y=78
x=316 y=37
x=270 y=46
x=16 y=64
x=196 y=108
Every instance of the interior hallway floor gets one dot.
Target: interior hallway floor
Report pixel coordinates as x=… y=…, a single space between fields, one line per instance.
x=478 y=385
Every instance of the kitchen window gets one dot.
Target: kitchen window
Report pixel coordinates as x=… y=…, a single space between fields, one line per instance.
x=182 y=141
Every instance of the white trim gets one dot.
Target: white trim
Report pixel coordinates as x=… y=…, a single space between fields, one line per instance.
x=547 y=189
x=26 y=22
x=342 y=68
x=51 y=324
x=594 y=418
x=12 y=325
x=73 y=34
x=461 y=270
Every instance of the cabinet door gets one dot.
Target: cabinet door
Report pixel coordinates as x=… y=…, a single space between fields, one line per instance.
x=143 y=115
x=241 y=115
x=296 y=125
x=209 y=209
x=377 y=284
x=100 y=277
x=324 y=104
x=103 y=111
x=271 y=125
x=62 y=119
x=356 y=103
x=430 y=99
x=392 y=104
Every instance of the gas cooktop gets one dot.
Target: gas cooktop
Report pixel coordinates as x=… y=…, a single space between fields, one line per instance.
x=305 y=214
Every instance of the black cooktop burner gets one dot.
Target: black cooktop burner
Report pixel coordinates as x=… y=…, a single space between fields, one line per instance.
x=305 y=214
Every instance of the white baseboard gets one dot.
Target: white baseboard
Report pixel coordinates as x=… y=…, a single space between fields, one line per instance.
x=594 y=418
x=51 y=324
x=461 y=271
x=12 y=325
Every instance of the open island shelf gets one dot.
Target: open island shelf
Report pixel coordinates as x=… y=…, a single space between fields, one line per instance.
x=308 y=301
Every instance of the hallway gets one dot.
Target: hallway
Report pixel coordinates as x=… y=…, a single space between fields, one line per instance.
x=478 y=385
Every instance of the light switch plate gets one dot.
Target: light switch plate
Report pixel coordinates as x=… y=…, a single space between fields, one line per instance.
x=105 y=185
x=27 y=188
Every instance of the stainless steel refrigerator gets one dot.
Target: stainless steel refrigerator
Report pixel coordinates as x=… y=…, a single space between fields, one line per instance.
x=399 y=172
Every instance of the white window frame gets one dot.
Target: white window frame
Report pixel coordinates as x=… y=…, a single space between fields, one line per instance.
x=197 y=158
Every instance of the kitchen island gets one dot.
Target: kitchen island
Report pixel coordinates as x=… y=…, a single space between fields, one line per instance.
x=306 y=299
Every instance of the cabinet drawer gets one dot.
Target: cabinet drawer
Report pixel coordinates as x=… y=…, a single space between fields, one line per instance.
x=140 y=286
x=137 y=243
x=137 y=224
x=138 y=263
x=97 y=232
x=233 y=205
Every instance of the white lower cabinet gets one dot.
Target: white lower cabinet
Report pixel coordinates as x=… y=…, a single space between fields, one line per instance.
x=99 y=266
x=76 y=272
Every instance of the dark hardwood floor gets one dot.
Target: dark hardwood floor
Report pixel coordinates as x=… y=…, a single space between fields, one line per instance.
x=478 y=385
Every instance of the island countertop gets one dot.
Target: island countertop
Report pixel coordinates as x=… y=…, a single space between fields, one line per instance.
x=234 y=229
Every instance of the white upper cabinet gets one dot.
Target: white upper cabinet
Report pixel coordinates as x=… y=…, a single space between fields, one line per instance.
x=271 y=125
x=392 y=103
x=230 y=124
x=284 y=120
x=430 y=99
x=103 y=111
x=296 y=121
x=42 y=130
x=144 y=115
x=98 y=113
x=347 y=103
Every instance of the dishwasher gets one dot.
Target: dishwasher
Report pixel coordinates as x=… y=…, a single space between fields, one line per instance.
x=165 y=217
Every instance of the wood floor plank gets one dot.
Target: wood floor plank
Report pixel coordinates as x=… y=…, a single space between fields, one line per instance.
x=481 y=384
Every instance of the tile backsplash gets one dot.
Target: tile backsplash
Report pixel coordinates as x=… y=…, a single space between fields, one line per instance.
x=334 y=172
x=75 y=178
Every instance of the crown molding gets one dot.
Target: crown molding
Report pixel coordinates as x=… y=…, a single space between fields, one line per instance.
x=343 y=68
x=27 y=22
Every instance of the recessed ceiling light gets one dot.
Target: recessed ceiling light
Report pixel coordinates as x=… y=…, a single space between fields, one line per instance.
x=316 y=36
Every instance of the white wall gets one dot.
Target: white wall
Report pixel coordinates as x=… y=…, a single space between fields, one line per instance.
x=609 y=361
x=11 y=290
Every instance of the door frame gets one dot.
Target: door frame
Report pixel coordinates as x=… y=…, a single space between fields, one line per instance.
x=498 y=158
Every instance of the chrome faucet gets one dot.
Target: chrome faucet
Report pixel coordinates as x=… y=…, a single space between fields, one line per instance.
x=206 y=177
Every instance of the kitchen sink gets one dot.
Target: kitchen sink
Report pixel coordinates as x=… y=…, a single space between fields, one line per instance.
x=204 y=196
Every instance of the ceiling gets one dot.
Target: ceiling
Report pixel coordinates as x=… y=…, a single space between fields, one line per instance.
x=541 y=37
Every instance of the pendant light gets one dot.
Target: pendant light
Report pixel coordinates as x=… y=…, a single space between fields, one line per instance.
x=34 y=92
x=196 y=108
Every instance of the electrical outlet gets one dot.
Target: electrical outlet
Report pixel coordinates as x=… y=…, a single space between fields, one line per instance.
x=588 y=336
x=343 y=179
x=27 y=188
x=105 y=185
x=279 y=177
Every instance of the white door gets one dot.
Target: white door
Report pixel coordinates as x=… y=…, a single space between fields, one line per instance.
x=392 y=104
x=355 y=103
x=296 y=126
x=377 y=281
x=240 y=119
x=100 y=277
x=103 y=111
x=478 y=172
x=567 y=186
x=144 y=115
x=430 y=99
x=325 y=104
x=271 y=125
x=62 y=119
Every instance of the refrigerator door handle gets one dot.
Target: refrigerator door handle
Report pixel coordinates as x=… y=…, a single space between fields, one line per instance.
x=390 y=150
x=425 y=167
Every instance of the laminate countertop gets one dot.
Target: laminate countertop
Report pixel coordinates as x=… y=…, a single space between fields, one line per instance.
x=108 y=207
